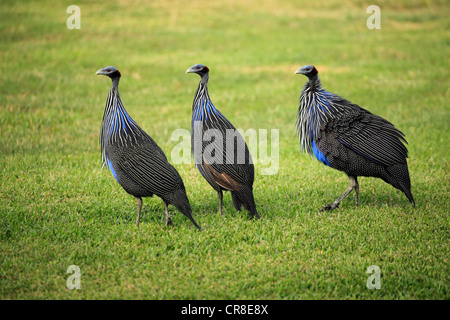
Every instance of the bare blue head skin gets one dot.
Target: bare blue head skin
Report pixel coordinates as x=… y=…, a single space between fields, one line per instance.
x=110 y=71
x=199 y=69
x=309 y=70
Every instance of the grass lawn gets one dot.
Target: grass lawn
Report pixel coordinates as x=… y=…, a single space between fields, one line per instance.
x=58 y=208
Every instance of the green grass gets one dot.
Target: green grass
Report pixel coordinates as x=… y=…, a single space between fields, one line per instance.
x=58 y=208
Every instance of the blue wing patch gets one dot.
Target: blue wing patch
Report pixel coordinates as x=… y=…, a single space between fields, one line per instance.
x=319 y=155
x=112 y=169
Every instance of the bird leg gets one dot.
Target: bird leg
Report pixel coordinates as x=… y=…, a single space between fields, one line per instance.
x=356 y=191
x=220 y=196
x=353 y=185
x=168 y=220
x=139 y=207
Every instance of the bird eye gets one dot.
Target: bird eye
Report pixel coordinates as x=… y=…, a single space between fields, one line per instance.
x=108 y=70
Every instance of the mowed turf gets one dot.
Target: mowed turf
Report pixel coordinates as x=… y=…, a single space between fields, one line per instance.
x=58 y=208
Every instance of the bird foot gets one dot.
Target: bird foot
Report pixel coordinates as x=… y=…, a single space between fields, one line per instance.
x=169 y=221
x=330 y=207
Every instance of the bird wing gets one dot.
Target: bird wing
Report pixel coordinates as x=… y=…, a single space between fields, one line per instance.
x=205 y=172
x=369 y=135
x=236 y=165
x=146 y=164
x=221 y=179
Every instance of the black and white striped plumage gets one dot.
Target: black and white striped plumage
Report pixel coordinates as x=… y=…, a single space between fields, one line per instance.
x=134 y=158
x=348 y=138
x=220 y=152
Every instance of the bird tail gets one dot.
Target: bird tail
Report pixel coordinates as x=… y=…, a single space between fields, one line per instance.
x=181 y=202
x=399 y=176
x=244 y=197
x=407 y=191
x=409 y=196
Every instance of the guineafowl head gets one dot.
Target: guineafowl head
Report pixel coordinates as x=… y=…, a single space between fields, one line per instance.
x=110 y=71
x=308 y=70
x=198 y=69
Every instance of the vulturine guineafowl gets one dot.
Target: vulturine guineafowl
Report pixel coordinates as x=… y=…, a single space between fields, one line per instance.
x=134 y=158
x=220 y=152
x=348 y=138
